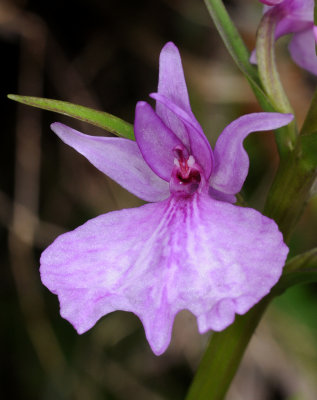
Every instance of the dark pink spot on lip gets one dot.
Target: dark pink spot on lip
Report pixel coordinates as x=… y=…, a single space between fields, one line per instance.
x=192 y=177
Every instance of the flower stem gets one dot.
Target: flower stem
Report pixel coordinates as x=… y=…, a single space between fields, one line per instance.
x=223 y=355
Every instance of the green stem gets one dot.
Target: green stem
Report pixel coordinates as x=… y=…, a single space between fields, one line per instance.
x=224 y=353
x=237 y=49
x=289 y=192
x=310 y=123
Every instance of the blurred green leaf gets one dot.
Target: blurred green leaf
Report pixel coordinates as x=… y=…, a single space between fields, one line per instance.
x=308 y=137
x=101 y=119
x=310 y=123
x=309 y=151
x=300 y=269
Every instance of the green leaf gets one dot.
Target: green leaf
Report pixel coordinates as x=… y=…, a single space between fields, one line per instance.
x=101 y=119
x=309 y=151
x=308 y=137
x=310 y=123
x=237 y=49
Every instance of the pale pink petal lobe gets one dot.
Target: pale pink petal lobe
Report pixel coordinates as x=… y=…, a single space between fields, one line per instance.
x=194 y=253
x=155 y=140
x=118 y=158
x=231 y=160
x=303 y=50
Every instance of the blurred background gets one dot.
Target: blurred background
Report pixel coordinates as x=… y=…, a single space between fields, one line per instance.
x=104 y=54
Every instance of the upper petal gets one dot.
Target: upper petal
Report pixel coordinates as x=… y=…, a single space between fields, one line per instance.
x=171 y=77
x=199 y=146
x=302 y=49
x=155 y=140
x=195 y=253
x=172 y=85
x=118 y=158
x=231 y=160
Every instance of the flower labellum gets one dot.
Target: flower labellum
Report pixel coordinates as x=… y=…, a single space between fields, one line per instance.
x=191 y=248
x=297 y=17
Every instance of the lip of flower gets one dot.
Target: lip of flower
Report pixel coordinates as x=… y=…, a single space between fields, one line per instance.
x=189 y=249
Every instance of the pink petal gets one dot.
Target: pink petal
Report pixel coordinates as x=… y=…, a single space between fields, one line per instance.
x=171 y=77
x=118 y=158
x=194 y=253
x=294 y=16
x=302 y=49
x=231 y=160
x=291 y=25
x=155 y=140
x=172 y=85
x=199 y=145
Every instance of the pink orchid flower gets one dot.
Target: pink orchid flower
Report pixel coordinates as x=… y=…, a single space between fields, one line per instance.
x=191 y=248
x=297 y=17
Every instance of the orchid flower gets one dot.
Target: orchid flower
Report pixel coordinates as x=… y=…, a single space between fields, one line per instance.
x=190 y=248
x=297 y=17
